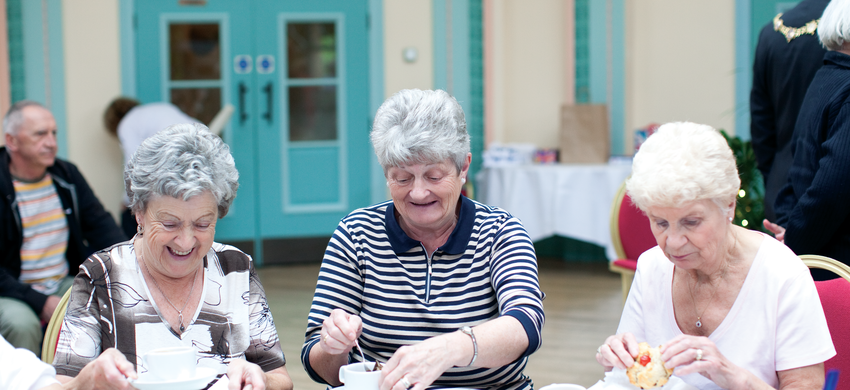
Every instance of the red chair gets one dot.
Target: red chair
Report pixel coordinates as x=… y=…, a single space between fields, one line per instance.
x=631 y=236
x=836 y=306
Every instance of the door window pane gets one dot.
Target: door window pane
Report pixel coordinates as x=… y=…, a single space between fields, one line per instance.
x=199 y=103
x=195 y=51
x=311 y=50
x=312 y=113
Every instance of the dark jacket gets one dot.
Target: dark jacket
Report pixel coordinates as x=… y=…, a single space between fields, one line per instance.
x=782 y=71
x=814 y=206
x=90 y=227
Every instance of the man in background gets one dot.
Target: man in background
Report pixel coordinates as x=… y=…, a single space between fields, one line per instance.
x=50 y=222
x=787 y=56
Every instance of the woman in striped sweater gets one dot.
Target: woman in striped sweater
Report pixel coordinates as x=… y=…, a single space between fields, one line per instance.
x=441 y=289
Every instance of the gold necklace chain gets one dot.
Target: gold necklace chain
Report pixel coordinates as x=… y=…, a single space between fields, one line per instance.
x=794 y=32
x=179 y=312
x=694 y=301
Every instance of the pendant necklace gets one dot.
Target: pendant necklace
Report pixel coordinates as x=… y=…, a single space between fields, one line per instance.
x=179 y=312
x=699 y=315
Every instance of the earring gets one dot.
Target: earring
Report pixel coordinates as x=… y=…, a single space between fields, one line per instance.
x=140 y=230
x=388 y=183
x=730 y=219
x=463 y=180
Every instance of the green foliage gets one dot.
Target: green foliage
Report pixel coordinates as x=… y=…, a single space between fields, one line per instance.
x=750 y=210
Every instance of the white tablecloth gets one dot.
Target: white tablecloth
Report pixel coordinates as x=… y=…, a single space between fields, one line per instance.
x=568 y=200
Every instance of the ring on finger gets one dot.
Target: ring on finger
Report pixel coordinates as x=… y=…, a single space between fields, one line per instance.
x=599 y=350
x=699 y=355
x=327 y=336
x=405 y=382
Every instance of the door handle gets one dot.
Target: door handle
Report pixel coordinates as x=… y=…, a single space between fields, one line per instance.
x=243 y=90
x=268 y=89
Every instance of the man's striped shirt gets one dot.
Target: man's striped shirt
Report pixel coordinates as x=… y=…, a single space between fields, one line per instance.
x=486 y=269
x=45 y=234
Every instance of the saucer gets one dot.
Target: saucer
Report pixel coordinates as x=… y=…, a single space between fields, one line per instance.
x=203 y=376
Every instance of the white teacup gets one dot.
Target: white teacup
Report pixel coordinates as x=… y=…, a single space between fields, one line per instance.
x=357 y=376
x=563 y=386
x=169 y=364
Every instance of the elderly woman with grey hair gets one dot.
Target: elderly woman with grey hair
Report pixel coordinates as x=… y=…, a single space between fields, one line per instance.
x=172 y=285
x=733 y=308
x=813 y=216
x=440 y=289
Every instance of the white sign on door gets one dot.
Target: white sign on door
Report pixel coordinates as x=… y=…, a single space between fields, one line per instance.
x=265 y=64
x=242 y=64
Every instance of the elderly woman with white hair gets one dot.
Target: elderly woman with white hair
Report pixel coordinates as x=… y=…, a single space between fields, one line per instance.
x=813 y=216
x=441 y=289
x=733 y=308
x=171 y=285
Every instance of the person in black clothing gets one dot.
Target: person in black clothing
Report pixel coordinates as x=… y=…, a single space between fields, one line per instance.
x=813 y=212
x=787 y=56
x=50 y=222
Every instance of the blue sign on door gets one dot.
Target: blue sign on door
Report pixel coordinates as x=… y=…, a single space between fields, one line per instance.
x=242 y=64
x=265 y=64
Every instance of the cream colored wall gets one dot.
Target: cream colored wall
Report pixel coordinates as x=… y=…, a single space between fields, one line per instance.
x=408 y=23
x=680 y=63
x=530 y=64
x=92 y=80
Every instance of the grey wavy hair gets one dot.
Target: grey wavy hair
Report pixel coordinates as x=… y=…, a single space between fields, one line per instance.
x=420 y=127
x=182 y=161
x=14 y=118
x=683 y=162
x=834 y=25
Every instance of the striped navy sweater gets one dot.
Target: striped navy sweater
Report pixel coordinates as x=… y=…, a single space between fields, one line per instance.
x=486 y=269
x=813 y=204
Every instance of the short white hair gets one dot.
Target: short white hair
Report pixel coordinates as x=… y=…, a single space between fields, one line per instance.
x=681 y=163
x=834 y=25
x=181 y=161
x=420 y=127
x=14 y=118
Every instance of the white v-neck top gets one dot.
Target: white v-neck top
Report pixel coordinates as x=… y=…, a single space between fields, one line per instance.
x=776 y=323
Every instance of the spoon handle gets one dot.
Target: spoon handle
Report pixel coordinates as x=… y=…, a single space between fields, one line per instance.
x=361 y=351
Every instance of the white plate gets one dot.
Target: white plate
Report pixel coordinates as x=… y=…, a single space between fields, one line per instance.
x=203 y=376
x=434 y=388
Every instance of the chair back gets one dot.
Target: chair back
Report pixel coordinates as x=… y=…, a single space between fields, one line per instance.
x=51 y=334
x=630 y=230
x=836 y=307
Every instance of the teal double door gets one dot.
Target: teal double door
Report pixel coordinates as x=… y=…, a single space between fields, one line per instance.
x=296 y=73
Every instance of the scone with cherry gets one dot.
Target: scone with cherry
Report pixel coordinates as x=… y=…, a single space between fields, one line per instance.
x=648 y=370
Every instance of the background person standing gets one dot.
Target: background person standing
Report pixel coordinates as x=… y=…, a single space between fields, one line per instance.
x=787 y=56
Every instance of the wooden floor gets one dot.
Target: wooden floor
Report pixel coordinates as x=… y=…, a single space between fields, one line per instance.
x=583 y=304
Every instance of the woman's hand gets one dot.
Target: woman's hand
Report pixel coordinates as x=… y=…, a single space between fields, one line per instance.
x=691 y=354
x=778 y=231
x=339 y=331
x=109 y=371
x=244 y=375
x=618 y=351
x=418 y=366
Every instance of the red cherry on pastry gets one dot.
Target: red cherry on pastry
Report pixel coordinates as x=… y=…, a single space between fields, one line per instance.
x=644 y=360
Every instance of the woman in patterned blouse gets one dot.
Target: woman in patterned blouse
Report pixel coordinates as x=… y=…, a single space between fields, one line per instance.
x=171 y=285
x=442 y=289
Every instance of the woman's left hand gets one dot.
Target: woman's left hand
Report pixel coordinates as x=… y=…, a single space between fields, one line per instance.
x=244 y=375
x=417 y=366
x=692 y=354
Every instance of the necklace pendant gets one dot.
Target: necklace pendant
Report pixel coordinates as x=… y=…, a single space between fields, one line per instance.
x=182 y=328
x=699 y=324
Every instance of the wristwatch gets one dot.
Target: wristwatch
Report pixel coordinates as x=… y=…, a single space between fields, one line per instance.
x=469 y=333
